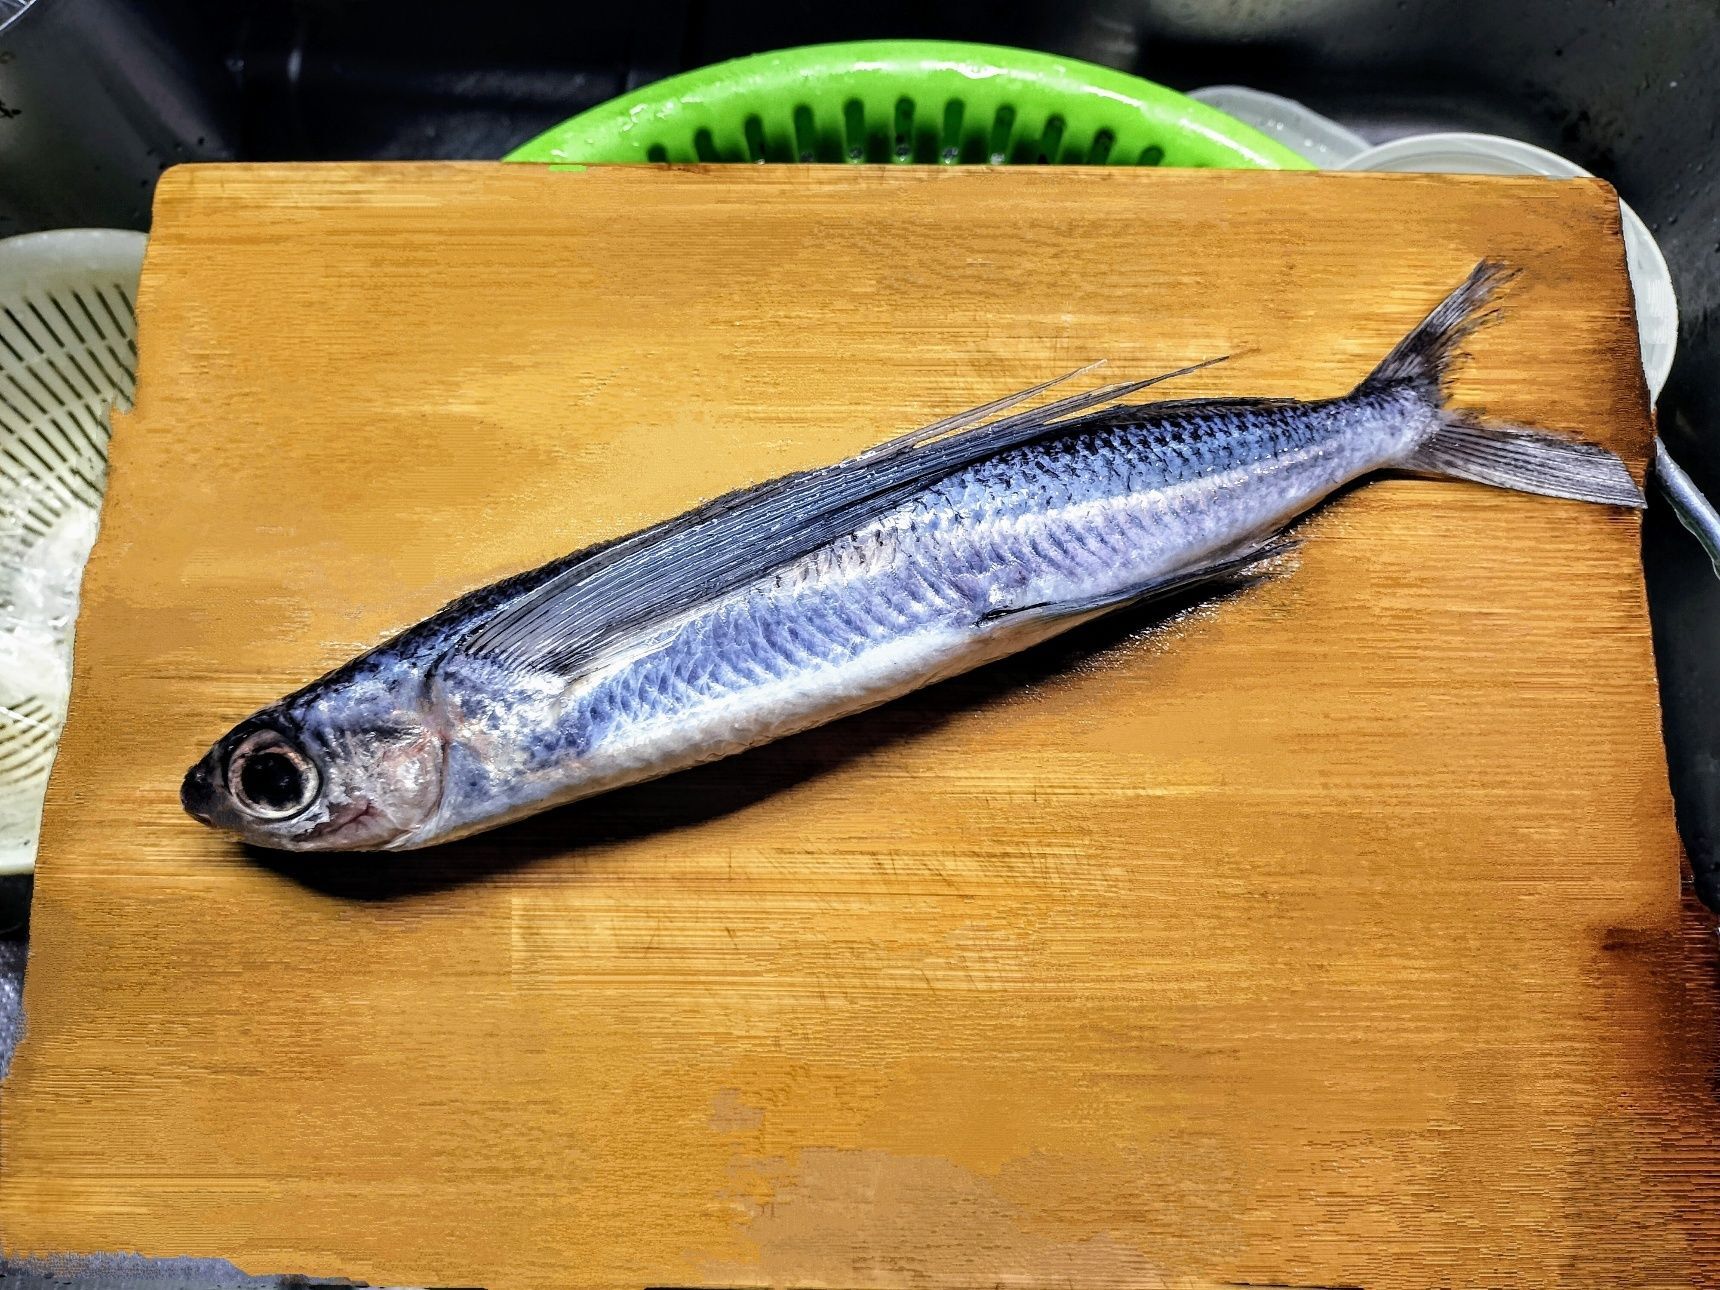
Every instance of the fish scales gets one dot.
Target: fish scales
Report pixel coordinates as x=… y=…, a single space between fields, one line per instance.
x=1072 y=518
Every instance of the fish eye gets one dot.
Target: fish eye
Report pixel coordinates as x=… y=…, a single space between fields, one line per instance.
x=270 y=778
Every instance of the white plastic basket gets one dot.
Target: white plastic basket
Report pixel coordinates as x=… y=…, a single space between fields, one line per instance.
x=68 y=355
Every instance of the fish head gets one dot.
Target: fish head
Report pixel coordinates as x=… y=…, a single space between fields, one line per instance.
x=350 y=766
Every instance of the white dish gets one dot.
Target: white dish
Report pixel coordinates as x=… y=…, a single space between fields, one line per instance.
x=1488 y=154
x=1318 y=138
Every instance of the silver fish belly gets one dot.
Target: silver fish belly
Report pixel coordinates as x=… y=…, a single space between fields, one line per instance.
x=805 y=599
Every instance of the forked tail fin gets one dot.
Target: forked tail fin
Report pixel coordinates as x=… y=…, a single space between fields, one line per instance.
x=1460 y=446
x=1528 y=461
x=1426 y=356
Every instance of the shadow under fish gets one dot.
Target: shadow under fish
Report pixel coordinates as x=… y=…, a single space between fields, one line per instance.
x=727 y=787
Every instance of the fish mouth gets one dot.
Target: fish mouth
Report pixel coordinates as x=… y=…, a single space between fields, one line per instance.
x=199 y=795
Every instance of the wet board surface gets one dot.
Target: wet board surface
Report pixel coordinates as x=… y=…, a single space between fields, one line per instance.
x=1330 y=934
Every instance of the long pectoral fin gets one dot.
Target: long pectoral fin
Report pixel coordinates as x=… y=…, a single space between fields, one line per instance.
x=622 y=591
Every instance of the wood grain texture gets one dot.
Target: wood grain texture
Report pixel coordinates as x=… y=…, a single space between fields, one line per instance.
x=1327 y=934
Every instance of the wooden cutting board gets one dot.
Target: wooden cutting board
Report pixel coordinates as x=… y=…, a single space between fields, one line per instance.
x=1330 y=934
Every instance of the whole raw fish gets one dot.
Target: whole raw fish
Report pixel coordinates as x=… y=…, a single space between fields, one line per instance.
x=809 y=597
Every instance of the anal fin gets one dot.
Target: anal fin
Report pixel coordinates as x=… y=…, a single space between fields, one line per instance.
x=1237 y=567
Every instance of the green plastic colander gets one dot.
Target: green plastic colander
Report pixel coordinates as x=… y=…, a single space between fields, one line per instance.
x=909 y=101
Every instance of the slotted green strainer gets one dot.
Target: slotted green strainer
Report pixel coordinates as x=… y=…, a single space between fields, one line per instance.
x=909 y=101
